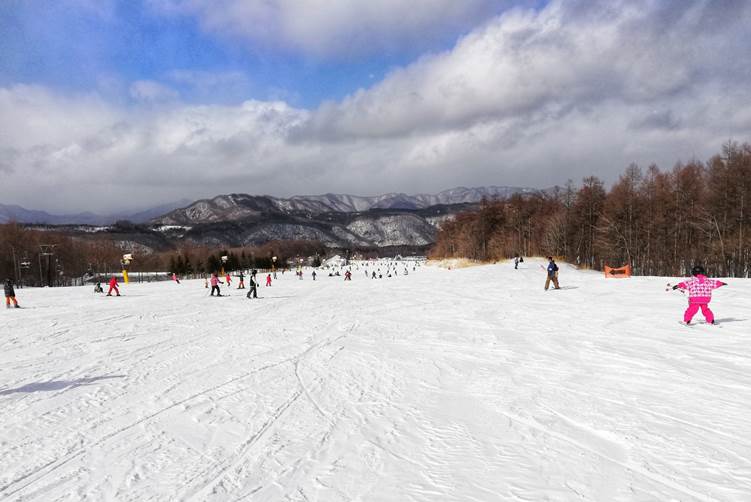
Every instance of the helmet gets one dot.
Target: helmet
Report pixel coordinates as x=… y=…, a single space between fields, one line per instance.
x=697 y=270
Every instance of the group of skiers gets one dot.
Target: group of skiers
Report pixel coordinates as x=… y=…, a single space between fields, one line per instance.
x=699 y=286
x=112 y=287
x=252 y=283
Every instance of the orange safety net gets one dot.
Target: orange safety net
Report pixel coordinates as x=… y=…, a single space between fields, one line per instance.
x=618 y=273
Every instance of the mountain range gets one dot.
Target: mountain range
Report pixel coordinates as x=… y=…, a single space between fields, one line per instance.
x=235 y=220
x=22 y=215
x=234 y=207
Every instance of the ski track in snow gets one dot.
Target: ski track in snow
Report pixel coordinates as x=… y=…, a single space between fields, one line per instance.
x=470 y=384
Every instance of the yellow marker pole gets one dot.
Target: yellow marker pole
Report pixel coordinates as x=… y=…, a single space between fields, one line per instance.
x=125 y=276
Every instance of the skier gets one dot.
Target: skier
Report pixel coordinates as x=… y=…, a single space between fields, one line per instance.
x=228 y=279
x=113 y=286
x=699 y=294
x=253 y=288
x=313 y=274
x=268 y=280
x=374 y=275
x=10 y=294
x=347 y=275
x=215 y=282
x=552 y=274
x=174 y=278
x=98 y=288
x=241 y=277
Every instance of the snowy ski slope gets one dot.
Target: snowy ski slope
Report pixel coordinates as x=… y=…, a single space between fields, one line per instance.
x=469 y=384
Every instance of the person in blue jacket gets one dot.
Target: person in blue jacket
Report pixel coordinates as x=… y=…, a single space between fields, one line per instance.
x=552 y=274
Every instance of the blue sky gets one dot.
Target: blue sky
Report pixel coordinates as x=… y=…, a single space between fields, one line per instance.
x=137 y=103
x=90 y=46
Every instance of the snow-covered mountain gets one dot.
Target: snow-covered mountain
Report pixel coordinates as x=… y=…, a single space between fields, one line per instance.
x=336 y=220
x=234 y=207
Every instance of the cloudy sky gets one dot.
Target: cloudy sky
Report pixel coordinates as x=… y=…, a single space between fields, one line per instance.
x=114 y=105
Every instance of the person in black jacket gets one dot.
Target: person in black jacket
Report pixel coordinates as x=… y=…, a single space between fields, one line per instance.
x=552 y=274
x=253 y=287
x=10 y=294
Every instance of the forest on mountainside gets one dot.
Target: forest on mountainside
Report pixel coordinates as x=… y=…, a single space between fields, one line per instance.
x=658 y=222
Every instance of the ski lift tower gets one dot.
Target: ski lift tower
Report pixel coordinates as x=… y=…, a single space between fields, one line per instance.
x=47 y=250
x=23 y=266
x=19 y=266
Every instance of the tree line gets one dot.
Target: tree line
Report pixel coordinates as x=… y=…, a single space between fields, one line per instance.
x=658 y=222
x=34 y=257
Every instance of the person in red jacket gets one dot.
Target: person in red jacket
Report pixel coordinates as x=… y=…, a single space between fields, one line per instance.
x=268 y=280
x=113 y=286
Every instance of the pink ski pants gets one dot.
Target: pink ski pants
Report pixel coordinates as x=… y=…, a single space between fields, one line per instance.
x=693 y=308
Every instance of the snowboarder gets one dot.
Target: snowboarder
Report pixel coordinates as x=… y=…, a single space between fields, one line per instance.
x=10 y=294
x=215 y=282
x=253 y=288
x=113 y=286
x=699 y=294
x=241 y=284
x=98 y=288
x=552 y=274
x=517 y=260
x=268 y=280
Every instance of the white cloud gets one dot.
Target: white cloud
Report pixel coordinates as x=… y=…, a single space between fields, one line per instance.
x=152 y=92
x=325 y=29
x=527 y=99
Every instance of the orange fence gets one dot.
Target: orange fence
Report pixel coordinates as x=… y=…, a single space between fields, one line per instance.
x=618 y=273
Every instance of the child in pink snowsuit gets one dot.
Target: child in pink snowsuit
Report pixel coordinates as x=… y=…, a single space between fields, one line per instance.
x=699 y=294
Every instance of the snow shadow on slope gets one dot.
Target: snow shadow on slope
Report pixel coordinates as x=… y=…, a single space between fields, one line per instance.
x=56 y=385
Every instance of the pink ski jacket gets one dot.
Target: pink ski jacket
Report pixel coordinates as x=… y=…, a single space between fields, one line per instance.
x=700 y=288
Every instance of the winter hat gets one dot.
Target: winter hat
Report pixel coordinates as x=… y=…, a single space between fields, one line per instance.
x=697 y=270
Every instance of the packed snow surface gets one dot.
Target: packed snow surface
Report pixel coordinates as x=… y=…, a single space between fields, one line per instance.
x=470 y=384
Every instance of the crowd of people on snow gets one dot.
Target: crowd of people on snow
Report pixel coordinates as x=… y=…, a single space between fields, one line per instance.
x=698 y=286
